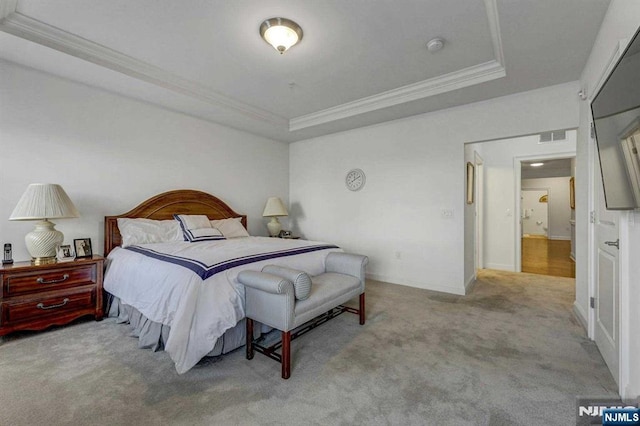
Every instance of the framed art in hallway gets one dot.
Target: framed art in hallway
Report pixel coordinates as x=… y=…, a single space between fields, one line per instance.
x=572 y=193
x=470 y=176
x=83 y=247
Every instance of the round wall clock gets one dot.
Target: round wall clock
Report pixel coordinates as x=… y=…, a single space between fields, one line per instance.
x=355 y=180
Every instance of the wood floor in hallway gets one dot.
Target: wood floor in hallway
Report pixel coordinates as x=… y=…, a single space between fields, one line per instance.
x=547 y=257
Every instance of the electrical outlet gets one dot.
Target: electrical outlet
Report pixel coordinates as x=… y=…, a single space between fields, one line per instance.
x=447 y=213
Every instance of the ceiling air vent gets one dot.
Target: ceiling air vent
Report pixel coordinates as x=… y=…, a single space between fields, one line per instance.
x=558 y=135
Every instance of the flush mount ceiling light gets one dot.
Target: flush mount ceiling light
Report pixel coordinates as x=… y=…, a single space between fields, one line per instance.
x=281 y=33
x=536 y=164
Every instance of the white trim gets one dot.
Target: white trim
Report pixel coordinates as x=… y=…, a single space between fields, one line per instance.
x=501 y=267
x=470 y=284
x=479 y=212
x=560 y=237
x=470 y=76
x=423 y=89
x=580 y=315
x=494 y=27
x=624 y=317
x=416 y=284
x=591 y=235
x=592 y=251
x=38 y=32
x=13 y=22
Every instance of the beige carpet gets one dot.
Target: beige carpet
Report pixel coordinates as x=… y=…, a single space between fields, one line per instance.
x=510 y=353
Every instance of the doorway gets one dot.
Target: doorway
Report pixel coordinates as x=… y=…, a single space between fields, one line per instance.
x=545 y=215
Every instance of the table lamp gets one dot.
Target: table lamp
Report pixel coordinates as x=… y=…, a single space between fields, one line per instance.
x=274 y=209
x=41 y=202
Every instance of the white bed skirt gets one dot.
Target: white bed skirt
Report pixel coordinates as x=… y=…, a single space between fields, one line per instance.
x=153 y=335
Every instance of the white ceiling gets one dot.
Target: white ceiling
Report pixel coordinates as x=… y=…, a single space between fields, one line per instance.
x=550 y=168
x=360 y=62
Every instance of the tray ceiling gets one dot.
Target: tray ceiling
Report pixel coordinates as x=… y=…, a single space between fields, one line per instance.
x=359 y=63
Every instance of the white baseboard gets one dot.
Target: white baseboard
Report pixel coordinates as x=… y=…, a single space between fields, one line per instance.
x=416 y=284
x=468 y=286
x=500 y=266
x=560 y=237
x=580 y=315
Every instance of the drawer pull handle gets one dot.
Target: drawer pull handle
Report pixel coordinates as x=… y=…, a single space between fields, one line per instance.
x=41 y=280
x=41 y=305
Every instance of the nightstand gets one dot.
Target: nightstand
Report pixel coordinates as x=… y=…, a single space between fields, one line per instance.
x=34 y=297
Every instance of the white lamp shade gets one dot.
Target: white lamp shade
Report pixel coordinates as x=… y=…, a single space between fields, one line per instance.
x=44 y=201
x=274 y=207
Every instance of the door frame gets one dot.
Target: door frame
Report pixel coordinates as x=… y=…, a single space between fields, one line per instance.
x=624 y=219
x=624 y=322
x=479 y=183
x=517 y=171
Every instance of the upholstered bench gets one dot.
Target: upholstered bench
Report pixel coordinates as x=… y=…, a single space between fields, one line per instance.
x=294 y=303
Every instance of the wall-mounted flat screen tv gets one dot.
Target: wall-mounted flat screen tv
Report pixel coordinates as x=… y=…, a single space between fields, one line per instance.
x=616 y=118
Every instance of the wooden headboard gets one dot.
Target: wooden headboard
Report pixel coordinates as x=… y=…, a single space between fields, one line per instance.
x=164 y=206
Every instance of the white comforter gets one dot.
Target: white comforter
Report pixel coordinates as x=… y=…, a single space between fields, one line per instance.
x=198 y=311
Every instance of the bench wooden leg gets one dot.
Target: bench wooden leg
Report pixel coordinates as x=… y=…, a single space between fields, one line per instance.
x=249 y=338
x=362 y=312
x=286 y=354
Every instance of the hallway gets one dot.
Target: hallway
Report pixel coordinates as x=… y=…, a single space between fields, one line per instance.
x=547 y=257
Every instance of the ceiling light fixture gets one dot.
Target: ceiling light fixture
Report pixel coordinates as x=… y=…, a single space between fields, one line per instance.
x=536 y=164
x=281 y=33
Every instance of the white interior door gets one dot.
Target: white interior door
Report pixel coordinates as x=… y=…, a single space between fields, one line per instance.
x=534 y=212
x=607 y=279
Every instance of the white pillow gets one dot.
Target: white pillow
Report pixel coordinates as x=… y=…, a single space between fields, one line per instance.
x=230 y=228
x=196 y=227
x=144 y=231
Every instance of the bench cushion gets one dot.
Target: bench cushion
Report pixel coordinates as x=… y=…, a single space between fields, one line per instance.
x=328 y=290
x=301 y=280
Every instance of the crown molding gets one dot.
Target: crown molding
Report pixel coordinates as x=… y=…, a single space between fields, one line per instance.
x=494 y=29
x=445 y=83
x=13 y=22
x=465 y=77
x=36 y=31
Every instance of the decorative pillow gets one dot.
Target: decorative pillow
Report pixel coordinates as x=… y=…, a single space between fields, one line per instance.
x=230 y=228
x=301 y=280
x=145 y=231
x=197 y=228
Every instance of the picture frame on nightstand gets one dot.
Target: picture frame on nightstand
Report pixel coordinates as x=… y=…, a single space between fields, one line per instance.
x=65 y=253
x=83 y=247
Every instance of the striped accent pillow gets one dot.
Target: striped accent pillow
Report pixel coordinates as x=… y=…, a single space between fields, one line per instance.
x=197 y=228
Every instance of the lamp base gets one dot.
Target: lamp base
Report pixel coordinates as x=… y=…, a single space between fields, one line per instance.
x=43 y=260
x=42 y=242
x=274 y=226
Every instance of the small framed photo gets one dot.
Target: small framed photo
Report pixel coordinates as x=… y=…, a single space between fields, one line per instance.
x=65 y=253
x=83 y=247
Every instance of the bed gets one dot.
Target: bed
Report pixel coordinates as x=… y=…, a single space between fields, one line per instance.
x=184 y=297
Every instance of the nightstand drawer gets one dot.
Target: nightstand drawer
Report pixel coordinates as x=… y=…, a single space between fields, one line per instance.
x=48 y=279
x=60 y=303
